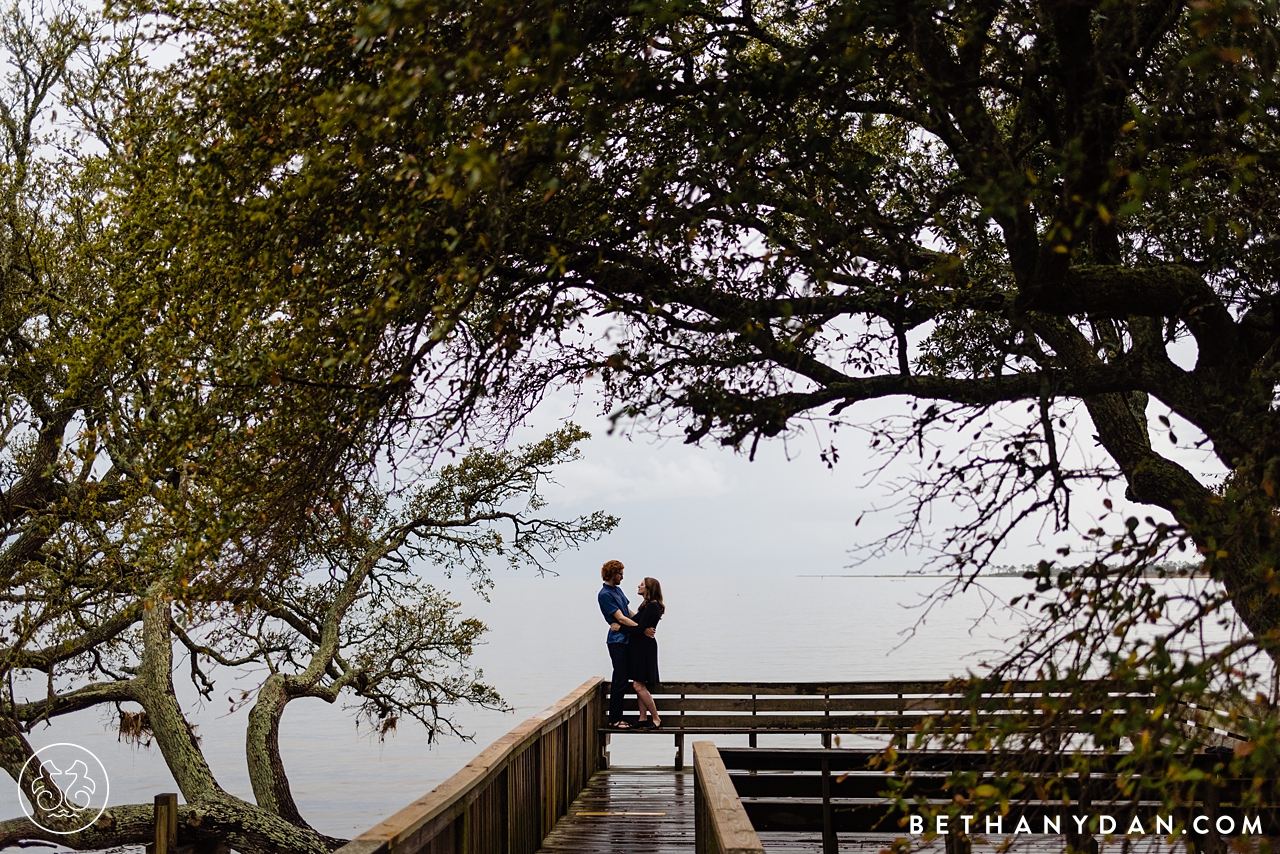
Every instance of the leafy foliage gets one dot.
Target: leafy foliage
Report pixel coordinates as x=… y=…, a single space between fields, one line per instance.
x=767 y=202
x=162 y=485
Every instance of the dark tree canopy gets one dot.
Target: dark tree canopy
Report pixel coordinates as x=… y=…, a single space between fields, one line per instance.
x=780 y=210
x=770 y=199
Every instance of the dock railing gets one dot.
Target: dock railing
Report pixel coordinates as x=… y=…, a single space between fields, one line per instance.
x=507 y=799
x=827 y=709
x=720 y=824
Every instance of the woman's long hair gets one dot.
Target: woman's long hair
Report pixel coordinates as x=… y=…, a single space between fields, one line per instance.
x=653 y=593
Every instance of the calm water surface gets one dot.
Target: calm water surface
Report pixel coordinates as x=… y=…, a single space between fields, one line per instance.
x=546 y=638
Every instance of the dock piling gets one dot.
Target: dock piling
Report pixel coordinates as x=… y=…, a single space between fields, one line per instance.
x=166 y=823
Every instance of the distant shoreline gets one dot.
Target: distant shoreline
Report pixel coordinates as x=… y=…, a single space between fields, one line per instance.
x=847 y=575
x=981 y=575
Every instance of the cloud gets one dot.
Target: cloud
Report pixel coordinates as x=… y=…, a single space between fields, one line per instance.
x=623 y=471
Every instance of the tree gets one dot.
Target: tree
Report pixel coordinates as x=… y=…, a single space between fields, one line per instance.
x=348 y=617
x=146 y=509
x=769 y=202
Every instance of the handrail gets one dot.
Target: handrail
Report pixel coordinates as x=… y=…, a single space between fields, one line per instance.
x=720 y=825
x=892 y=687
x=883 y=707
x=509 y=797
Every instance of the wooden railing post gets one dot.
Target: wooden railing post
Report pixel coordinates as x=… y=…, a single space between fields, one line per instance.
x=602 y=738
x=1212 y=842
x=720 y=823
x=1084 y=842
x=679 y=763
x=957 y=843
x=829 y=843
x=166 y=827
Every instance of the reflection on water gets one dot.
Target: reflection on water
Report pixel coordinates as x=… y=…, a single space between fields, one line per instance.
x=546 y=639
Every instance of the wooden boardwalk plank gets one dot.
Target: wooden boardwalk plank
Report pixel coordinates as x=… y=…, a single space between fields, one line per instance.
x=628 y=811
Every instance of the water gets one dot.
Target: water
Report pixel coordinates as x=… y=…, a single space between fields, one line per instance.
x=547 y=638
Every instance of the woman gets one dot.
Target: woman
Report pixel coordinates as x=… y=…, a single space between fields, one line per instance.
x=642 y=651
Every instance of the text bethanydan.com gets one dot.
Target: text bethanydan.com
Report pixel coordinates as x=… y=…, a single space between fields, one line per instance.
x=1100 y=823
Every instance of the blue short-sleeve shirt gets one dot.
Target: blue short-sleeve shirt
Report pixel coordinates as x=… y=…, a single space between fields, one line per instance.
x=613 y=599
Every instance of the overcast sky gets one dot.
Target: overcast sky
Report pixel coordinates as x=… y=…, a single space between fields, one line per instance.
x=710 y=511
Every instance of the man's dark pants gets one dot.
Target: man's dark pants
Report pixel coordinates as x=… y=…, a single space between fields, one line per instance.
x=618 y=689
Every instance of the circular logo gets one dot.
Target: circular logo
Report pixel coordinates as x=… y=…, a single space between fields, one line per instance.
x=67 y=786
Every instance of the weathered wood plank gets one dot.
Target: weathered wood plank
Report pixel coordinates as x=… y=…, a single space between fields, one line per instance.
x=846 y=759
x=721 y=824
x=870 y=688
x=773 y=703
x=799 y=704
x=628 y=811
x=841 y=722
x=800 y=688
x=843 y=759
x=873 y=785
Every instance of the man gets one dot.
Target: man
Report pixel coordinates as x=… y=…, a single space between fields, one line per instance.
x=616 y=609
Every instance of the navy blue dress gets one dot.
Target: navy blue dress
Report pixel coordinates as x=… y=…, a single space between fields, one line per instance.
x=642 y=650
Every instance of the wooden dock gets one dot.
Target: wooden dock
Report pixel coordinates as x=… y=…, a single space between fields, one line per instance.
x=547 y=786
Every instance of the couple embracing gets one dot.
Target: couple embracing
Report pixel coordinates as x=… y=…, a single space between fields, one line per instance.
x=633 y=648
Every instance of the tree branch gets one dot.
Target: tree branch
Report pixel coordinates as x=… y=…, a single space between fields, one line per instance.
x=87 y=696
x=1166 y=291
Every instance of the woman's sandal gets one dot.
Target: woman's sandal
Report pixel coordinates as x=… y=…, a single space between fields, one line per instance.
x=619 y=725
x=646 y=725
